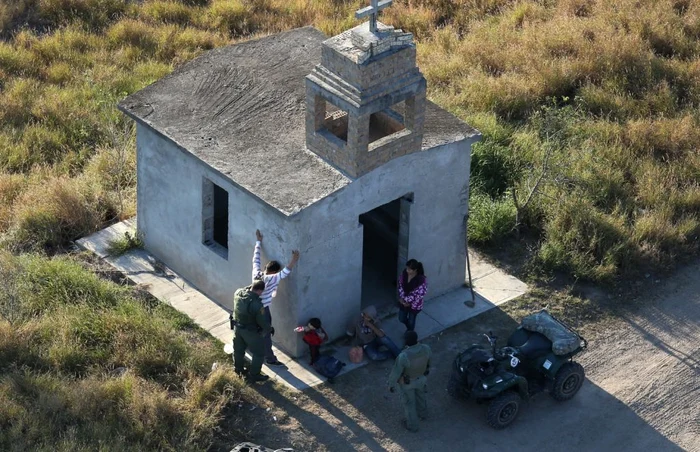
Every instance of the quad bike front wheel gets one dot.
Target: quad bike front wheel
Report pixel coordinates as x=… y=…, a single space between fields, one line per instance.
x=568 y=381
x=503 y=410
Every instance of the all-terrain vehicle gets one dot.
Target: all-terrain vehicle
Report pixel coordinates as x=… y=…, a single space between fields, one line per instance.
x=538 y=358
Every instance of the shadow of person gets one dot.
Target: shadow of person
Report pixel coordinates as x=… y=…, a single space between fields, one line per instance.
x=323 y=419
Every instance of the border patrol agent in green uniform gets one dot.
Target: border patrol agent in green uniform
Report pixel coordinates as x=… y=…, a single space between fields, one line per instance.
x=249 y=328
x=410 y=376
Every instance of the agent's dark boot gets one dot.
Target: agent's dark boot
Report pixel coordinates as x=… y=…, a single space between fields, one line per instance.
x=259 y=378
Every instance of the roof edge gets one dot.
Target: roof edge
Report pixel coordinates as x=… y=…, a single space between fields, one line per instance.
x=283 y=213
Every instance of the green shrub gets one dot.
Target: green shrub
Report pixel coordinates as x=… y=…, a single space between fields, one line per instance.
x=490 y=220
x=605 y=185
x=604 y=103
x=209 y=391
x=506 y=96
x=493 y=169
x=123 y=244
x=70 y=45
x=584 y=241
x=11 y=157
x=80 y=326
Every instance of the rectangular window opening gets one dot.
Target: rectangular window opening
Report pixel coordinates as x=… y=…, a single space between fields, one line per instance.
x=336 y=121
x=220 y=234
x=215 y=217
x=387 y=122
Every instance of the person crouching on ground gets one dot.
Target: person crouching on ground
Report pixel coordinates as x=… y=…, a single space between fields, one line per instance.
x=409 y=374
x=250 y=326
x=271 y=276
x=366 y=331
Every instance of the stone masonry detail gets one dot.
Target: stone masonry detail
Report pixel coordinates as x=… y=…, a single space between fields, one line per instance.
x=366 y=74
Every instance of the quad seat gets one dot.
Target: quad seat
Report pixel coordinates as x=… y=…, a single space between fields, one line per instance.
x=530 y=343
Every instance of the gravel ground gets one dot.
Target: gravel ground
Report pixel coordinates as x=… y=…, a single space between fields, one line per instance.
x=642 y=392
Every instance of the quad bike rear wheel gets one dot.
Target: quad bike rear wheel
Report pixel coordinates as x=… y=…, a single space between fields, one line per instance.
x=503 y=410
x=568 y=381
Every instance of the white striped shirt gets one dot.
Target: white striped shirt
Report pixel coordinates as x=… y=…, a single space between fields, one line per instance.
x=271 y=281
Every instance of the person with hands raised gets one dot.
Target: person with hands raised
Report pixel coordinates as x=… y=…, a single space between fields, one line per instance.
x=271 y=275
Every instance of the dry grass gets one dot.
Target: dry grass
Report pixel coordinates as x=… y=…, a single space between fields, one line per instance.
x=595 y=100
x=630 y=70
x=87 y=365
x=54 y=210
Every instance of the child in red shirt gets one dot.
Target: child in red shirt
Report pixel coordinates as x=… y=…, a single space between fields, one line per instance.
x=314 y=336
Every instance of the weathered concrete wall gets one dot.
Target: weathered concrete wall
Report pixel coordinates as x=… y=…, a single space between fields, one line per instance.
x=329 y=277
x=170 y=219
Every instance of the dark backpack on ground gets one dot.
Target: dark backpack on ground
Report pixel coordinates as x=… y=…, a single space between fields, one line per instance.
x=328 y=366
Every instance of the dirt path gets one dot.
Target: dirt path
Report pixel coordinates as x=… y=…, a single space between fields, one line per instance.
x=642 y=393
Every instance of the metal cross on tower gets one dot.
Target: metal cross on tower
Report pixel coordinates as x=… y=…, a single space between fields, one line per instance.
x=373 y=12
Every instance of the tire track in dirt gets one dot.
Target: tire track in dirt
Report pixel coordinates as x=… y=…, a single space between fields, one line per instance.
x=651 y=362
x=642 y=393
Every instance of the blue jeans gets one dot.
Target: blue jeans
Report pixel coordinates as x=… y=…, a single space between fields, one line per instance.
x=375 y=353
x=408 y=318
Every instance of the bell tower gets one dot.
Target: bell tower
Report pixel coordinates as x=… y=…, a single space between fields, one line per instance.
x=365 y=102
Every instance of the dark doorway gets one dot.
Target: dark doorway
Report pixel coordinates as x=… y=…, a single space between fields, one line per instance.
x=385 y=240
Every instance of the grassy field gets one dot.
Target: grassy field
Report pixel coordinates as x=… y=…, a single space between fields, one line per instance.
x=589 y=111
x=86 y=364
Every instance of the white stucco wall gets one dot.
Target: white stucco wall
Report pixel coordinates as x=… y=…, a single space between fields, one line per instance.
x=329 y=276
x=170 y=220
x=327 y=281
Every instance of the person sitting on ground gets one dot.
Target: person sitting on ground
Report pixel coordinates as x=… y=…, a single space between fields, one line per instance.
x=271 y=276
x=314 y=336
x=367 y=333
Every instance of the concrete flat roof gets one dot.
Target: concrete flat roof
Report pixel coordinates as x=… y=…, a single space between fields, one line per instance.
x=241 y=110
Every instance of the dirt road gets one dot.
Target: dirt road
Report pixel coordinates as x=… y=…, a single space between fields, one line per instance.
x=642 y=393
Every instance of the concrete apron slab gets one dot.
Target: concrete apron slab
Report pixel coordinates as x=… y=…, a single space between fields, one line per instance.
x=492 y=287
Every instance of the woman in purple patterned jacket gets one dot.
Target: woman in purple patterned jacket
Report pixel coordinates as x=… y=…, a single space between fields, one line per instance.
x=413 y=286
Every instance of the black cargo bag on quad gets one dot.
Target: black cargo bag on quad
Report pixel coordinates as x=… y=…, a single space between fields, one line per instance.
x=328 y=366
